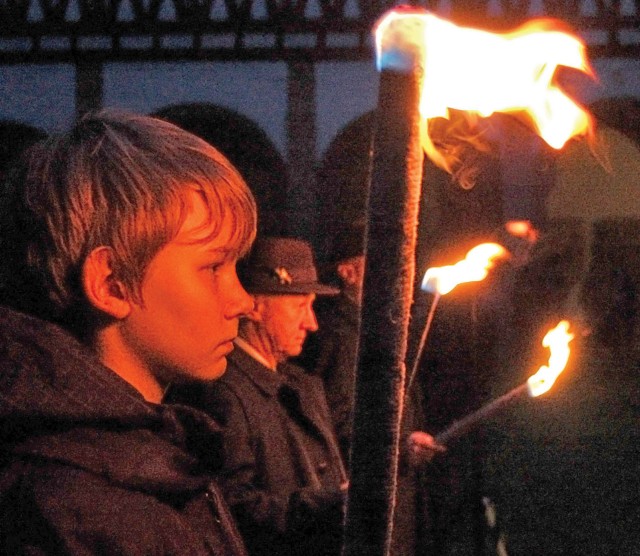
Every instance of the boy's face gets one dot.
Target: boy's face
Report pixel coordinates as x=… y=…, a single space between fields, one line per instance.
x=192 y=300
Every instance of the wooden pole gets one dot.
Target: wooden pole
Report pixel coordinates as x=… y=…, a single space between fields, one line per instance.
x=392 y=211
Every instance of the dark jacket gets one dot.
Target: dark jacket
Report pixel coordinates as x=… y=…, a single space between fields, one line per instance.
x=282 y=465
x=331 y=354
x=88 y=467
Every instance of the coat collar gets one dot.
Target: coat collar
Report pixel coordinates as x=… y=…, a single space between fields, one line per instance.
x=266 y=380
x=253 y=352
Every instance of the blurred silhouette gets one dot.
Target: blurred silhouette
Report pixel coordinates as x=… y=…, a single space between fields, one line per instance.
x=15 y=137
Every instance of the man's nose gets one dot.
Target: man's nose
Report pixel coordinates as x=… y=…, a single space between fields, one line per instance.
x=310 y=323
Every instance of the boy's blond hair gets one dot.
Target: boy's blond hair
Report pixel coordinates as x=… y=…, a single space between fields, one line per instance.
x=117 y=180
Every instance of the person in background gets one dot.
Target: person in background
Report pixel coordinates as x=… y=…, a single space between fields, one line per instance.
x=284 y=476
x=15 y=137
x=119 y=242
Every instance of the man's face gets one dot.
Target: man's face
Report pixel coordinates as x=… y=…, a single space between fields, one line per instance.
x=285 y=322
x=351 y=272
x=192 y=301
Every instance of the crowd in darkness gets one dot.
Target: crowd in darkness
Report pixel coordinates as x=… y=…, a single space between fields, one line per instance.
x=177 y=376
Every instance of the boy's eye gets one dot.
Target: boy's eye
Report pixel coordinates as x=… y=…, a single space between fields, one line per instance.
x=221 y=264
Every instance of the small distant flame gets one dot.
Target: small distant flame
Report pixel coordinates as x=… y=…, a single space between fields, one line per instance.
x=557 y=340
x=523 y=229
x=478 y=73
x=473 y=268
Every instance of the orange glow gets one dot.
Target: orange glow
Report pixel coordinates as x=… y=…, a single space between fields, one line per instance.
x=519 y=228
x=557 y=340
x=523 y=229
x=479 y=73
x=473 y=268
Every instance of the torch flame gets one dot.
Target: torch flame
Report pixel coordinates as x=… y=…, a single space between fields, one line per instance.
x=557 y=340
x=479 y=72
x=473 y=268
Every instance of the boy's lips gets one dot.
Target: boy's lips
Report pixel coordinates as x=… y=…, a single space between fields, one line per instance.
x=229 y=345
x=226 y=346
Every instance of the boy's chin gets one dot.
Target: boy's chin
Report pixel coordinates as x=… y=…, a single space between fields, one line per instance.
x=212 y=372
x=218 y=369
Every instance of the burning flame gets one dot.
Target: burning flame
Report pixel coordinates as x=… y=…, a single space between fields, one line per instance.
x=557 y=340
x=473 y=268
x=479 y=72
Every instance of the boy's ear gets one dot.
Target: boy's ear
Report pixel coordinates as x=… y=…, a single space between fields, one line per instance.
x=103 y=291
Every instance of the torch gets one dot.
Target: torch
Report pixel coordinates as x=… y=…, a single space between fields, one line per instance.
x=391 y=234
x=557 y=340
x=427 y=67
x=441 y=280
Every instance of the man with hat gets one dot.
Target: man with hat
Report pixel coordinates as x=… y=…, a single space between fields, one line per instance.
x=283 y=474
x=331 y=354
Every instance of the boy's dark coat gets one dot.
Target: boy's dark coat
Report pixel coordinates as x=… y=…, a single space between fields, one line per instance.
x=88 y=467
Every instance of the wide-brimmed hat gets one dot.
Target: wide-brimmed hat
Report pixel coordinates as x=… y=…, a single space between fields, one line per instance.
x=278 y=265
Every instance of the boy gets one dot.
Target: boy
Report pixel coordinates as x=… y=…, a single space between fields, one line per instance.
x=119 y=242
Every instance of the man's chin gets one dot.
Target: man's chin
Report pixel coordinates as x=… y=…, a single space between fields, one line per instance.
x=294 y=352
